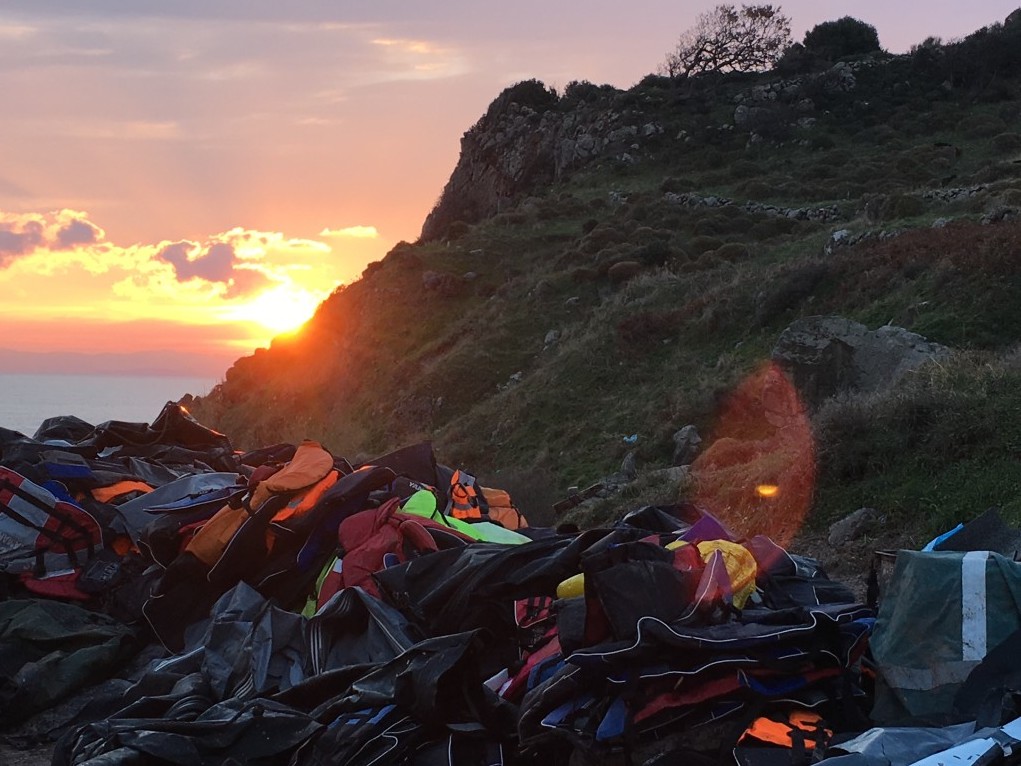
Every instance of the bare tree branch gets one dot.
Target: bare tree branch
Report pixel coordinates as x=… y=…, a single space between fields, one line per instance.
x=726 y=39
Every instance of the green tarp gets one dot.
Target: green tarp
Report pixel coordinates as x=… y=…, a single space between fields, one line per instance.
x=942 y=612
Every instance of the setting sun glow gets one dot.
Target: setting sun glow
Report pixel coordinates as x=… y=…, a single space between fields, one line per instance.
x=282 y=309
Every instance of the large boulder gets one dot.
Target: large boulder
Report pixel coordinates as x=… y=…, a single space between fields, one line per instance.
x=825 y=355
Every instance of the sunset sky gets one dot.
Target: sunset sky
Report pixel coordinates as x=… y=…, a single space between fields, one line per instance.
x=187 y=176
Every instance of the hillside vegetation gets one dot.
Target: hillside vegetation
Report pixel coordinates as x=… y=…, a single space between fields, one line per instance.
x=611 y=264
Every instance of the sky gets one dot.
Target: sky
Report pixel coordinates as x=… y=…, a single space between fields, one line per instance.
x=190 y=177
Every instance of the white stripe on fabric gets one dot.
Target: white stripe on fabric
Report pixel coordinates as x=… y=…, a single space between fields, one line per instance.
x=973 y=605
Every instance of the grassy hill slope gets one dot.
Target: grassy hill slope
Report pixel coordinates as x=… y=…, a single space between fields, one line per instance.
x=517 y=345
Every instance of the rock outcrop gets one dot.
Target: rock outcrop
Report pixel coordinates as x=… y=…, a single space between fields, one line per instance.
x=825 y=355
x=530 y=137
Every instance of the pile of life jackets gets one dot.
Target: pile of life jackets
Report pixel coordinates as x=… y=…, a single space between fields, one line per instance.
x=314 y=611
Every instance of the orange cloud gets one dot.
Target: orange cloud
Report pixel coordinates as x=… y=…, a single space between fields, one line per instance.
x=61 y=265
x=420 y=59
x=23 y=234
x=358 y=232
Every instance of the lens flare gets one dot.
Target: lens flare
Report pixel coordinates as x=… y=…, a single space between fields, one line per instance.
x=761 y=442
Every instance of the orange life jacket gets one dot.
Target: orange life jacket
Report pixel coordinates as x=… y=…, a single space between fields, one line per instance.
x=502 y=509
x=465 y=502
x=796 y=727
x=111 y=492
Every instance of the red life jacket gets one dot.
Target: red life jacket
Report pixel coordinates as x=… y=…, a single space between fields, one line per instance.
x=366 y=537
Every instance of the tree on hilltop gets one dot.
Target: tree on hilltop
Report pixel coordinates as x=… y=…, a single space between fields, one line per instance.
x=726 y=39
x=844 y=37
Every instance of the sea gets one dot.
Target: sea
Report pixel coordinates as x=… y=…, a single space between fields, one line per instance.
x=26 y=400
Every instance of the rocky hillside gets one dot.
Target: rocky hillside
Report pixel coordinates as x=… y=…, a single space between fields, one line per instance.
x=600 y=291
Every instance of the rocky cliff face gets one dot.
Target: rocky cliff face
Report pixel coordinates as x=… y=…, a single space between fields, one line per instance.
x=530 y=137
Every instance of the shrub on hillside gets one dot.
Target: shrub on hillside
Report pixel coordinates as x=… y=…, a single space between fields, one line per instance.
x=565 y=205
x=989 y=56
x=531 y=93
x=744 y=169
x=847 y=36
x=648 y=327
x=733 y=252
x=884 y=208
x=997 y=172
x=710 y=225
x=756 y=190
x=1007 y=142
x=1009 y=112
x=676 y=185
x=905 y=206
x=457 y=229
x=775 y=122
x=940 y=415
x=582 y=91
x=796 y=60
x=773 y=226
x=601 y=236
x=823 y=141
x=655 y=253
x=981 y=126
x=584 y=274
x=911 y=171
x=703 y=244
x=645 y=235
x=509 y=218
x=820 y=170
x=789 y=290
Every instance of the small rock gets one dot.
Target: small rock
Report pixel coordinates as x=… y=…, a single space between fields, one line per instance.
x=675 y=476
x=852 y=527
x=574 y=300
x=469 y=276
x=551 y=338
x=687 y=444
x=940 y=223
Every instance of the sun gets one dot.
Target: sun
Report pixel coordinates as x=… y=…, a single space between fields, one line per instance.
x=280 y=310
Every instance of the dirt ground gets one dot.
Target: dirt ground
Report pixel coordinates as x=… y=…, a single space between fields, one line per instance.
x=850 y=563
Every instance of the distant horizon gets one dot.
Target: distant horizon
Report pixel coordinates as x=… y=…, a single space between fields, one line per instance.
x=127 y=364
x=30 y=398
